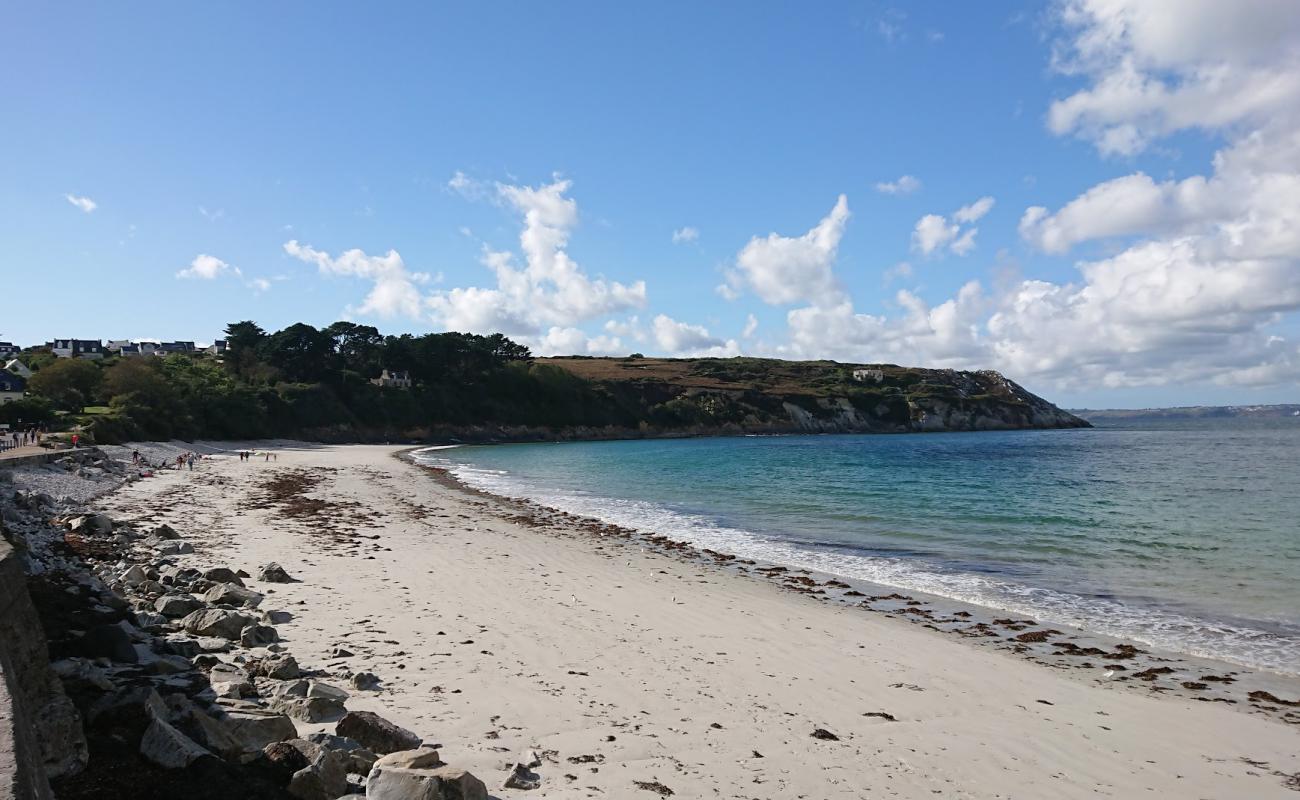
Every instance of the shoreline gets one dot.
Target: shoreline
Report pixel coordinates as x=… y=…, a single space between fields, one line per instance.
x=630 y=666
x=1071 y=649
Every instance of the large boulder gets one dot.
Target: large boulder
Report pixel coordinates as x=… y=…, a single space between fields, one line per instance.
x=176 y=605
x=281 y=667
x=376 y=733
x=254 y=728
x=97 y=524
x=274 y=573
x=232 y=594
x=439 y=783
x=216 y=622
x=223 y=575
x=108 y=641
x=256 y=635
x=169 y=748
x=359 y=759
x=309 y=709
x=325 y=777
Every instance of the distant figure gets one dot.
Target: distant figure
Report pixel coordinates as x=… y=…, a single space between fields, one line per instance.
x=76 y=441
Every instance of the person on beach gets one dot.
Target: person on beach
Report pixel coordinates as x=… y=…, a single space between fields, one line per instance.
x=76 y=441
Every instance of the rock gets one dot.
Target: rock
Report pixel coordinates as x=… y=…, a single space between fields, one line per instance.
x=285 y=759
x=258 y=635
x=222 y=575
x=59 y=730
x=216 y=622
x=181 y=645
x=165 y=531
x=318 y=689
x=376 y=733
x=175 y=548
x=97 y=524
x=255 y=728
x=523 y=778
x=150 y=588
x=133 y=576
x=108 y=641
x=276 y=617
x=230 y=594
x=213 y=644
x=309 y=709
x=325 y=778
x=169 y=748
x=146 y=619
x=274 y=573
x=442 y=783
x=176 y=605
x=230 y=681
x=419 y=758
x=341 y=652
x=359 y=759
x=365 y=680
x=282 y=668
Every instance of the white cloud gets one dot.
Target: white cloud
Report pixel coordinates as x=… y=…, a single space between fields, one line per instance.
x=751 y=325
x=782 y=269
x=549 y=290
x=211 y=216
x=1159 y=66
x=259 y=285
x=685 y=340
x=906 y=184
x=686 y=234
x=206 y=267
x=974 y=211
x=934 y=231
x=394 y=291
x=84 y=203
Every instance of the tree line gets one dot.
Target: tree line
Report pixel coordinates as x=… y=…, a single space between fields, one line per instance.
x=305 y=381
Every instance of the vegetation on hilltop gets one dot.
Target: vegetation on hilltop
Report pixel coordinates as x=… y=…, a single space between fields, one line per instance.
x=316 y=383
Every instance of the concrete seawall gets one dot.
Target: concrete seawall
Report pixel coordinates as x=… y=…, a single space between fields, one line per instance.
x=24 y=683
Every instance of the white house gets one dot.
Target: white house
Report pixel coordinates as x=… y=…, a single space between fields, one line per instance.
x=12 y=387
x=77 y=348
x=217 y=348
x=863 y=374
x=396 y=379
x=167 y=348
x=116 y=345
x=18 y=368
x=9 y=349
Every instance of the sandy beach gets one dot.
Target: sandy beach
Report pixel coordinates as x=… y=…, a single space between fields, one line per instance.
x=637 y=672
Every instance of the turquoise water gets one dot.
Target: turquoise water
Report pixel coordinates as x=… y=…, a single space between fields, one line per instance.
x=1185 y=536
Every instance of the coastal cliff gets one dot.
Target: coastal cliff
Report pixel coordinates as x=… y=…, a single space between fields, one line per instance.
x=751 y=395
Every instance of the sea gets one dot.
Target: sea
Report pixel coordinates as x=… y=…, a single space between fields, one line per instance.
x=1183 y=535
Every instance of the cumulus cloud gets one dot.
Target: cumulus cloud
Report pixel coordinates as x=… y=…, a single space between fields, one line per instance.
x=1198 y=277
x=84 y=203
x=686 y=340
x=1159 y=66
x=685 y=235
x=934 y=232
x=206 y=267
x=782 y=269
x=549 y=290
x=394 y=289
x=906 y=184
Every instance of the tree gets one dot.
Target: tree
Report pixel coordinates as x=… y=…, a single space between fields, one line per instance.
x=301 y=353
x=69 y=383
x=359 y=347
x=243 y=339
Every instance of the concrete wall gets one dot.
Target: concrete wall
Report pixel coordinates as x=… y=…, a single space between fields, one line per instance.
x=24 y=684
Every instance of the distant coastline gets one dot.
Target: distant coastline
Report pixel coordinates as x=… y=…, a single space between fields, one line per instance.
x=1190 y=412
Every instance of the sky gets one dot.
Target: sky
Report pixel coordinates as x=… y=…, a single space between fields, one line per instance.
x=1098 y=198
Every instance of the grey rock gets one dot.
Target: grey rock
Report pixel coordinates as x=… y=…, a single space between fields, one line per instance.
x=318 y=689
x=283 y=667
x=176 y=605
x=274 y=573
x=376 y=733
x=309 y=709
x=442 y=783
x=230 y=594
x=169 y=748
x=222 y=575
x=148 y=619
x=359 y=759
x=108 y=641
x=365 y=680
x=325 y=778
x=258 y=636
x=165 y=531
x=276 y=617
x=523 y=778
x=175 y=548
x=254 y=728
x=133 y=576
x=216 y=622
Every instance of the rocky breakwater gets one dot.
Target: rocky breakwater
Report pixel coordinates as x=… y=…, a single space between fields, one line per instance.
x=145 y=678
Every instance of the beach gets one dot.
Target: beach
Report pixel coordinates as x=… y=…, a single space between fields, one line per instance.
x=637 y=670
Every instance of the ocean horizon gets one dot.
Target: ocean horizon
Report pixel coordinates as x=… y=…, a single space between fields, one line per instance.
x=1177 y=534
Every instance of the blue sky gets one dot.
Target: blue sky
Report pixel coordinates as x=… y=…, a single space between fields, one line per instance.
x=229 y=131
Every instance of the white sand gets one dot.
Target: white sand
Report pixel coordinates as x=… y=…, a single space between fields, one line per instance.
x=690 y=672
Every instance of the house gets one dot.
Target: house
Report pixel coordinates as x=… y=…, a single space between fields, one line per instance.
x=116 y=345
x=77 y=348
x=217 y=348
x=18 y=368
x=863 y=375
x=12 y=387
x=9 y=350
x=393 y=379
x=167 y=348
